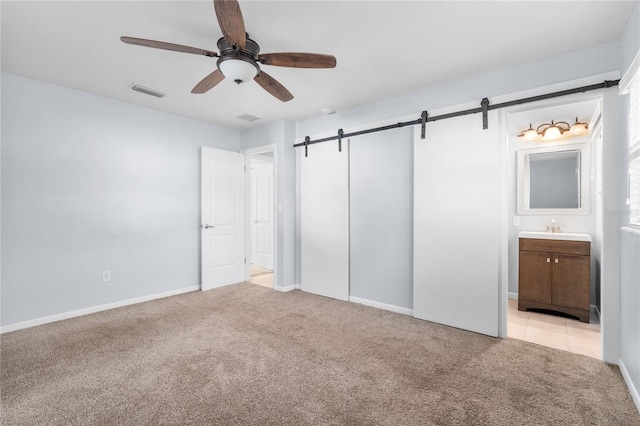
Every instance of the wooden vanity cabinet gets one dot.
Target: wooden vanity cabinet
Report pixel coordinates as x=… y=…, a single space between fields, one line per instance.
x=555 y=275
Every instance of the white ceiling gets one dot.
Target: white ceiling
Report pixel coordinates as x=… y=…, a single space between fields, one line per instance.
x=383 y=48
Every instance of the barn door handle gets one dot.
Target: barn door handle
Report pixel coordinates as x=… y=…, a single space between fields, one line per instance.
x=205 y=226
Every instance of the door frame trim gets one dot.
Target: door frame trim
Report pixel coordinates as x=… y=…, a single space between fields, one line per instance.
x=248 y=153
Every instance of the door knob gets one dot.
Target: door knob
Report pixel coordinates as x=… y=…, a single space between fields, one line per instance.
x=205 y=226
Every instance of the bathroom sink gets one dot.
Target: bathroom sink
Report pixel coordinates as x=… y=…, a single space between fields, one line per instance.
x=568 y=236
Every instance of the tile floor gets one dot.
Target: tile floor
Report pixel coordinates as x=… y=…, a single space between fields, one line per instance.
x=554 y=331
x=262 y=277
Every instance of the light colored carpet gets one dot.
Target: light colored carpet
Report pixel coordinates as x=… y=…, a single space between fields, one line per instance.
x=244 y=354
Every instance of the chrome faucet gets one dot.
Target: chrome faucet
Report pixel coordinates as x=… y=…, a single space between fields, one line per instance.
x=553 y=228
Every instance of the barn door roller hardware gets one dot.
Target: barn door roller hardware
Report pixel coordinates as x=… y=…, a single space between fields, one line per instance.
x=484 y=108
x=485 y=113
x=341 y=135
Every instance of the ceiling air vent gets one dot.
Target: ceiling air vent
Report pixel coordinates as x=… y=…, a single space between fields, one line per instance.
x=148 y=91
x=248 y=117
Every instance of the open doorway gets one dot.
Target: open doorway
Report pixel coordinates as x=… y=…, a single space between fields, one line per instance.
x=261 y=216
x=547 y=305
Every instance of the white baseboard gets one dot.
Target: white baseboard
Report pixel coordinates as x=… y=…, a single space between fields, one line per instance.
x=632 y=388
x=93 y=309
x=287 y=288
x=513 y=296
x=380 y=305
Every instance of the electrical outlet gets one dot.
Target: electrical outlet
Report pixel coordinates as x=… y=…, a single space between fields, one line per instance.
x=516 y=221
x=106 y=276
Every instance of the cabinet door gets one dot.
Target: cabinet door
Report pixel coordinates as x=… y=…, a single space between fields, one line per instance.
x=571 y=281
x=534 y=276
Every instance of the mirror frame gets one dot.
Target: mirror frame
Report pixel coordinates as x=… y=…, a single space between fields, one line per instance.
x=522 y=165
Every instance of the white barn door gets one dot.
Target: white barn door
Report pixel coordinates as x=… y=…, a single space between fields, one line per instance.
x=223 y=217
x=457 y=211
x=324 y=193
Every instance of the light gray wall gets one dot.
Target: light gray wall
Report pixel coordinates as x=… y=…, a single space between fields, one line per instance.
x=630 y=242
x=381 y=217
x=579 y=64
x=281 y=133
x=92 y=184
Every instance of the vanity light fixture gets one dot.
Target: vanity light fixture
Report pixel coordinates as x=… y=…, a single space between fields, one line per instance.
x=554 y=130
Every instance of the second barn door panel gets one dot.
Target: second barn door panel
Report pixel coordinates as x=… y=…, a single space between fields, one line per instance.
x=324 y=220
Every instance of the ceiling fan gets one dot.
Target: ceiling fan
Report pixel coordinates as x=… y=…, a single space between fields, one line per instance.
x=239 y=58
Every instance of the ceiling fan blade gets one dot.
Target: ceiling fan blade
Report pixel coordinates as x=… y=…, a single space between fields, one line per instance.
x=272 y=86
x=231 y=22
x=167 y=46
x=298 y=60
x=208 y=82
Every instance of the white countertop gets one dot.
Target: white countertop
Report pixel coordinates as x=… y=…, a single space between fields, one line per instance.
x=568 y=236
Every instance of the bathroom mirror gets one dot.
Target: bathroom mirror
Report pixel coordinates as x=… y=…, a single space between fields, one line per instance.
x=553 y=180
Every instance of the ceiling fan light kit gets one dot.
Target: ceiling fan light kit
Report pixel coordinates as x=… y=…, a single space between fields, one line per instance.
x=238 y=66
x=239 y=56
x=238 y=70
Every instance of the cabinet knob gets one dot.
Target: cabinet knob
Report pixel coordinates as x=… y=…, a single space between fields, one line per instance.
x=556 y=260
x=548 y=260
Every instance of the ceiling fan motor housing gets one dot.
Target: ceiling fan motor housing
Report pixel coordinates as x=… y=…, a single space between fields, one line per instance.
x=248 y=55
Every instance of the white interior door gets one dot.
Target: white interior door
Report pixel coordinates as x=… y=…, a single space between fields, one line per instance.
x=262 y=214
x=457 y=212
x=324 y=217
x=223 y=217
